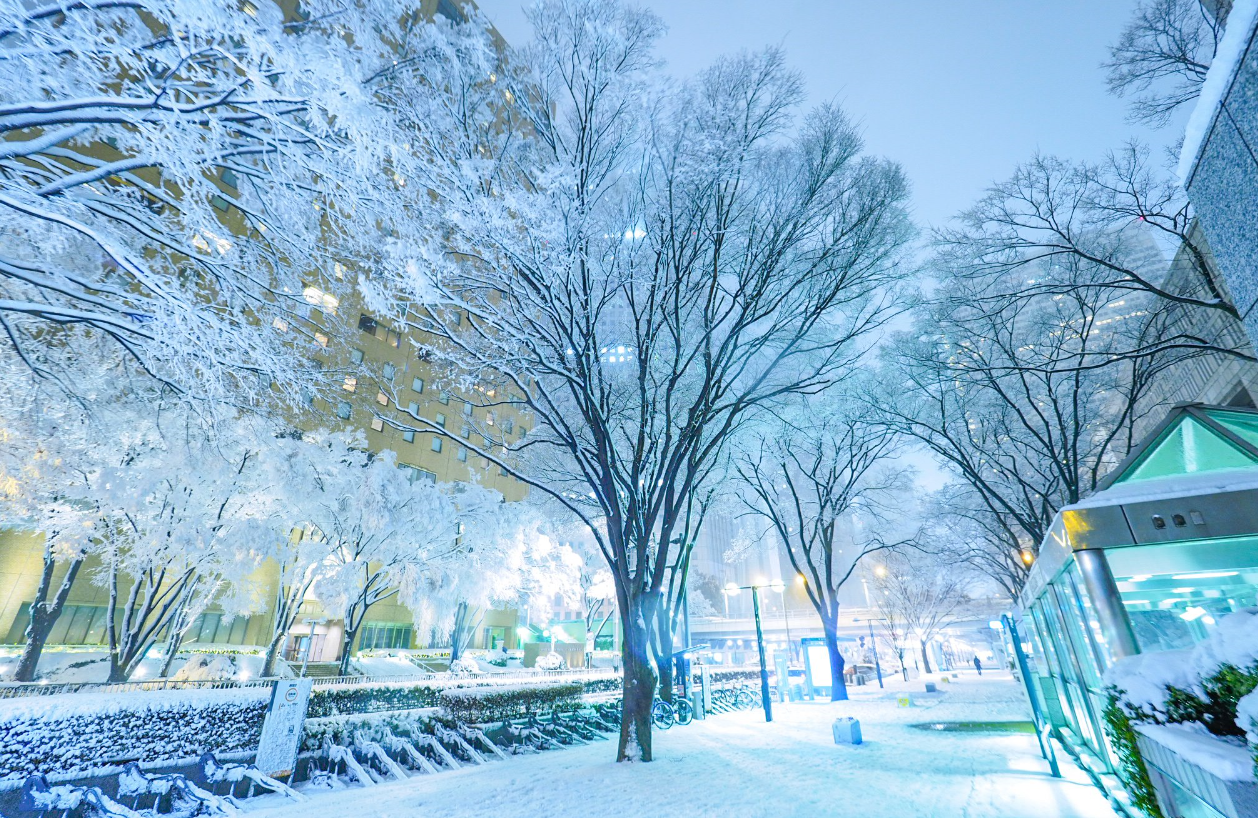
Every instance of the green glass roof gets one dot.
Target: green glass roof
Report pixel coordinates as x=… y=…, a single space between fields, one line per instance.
x=1197 y=441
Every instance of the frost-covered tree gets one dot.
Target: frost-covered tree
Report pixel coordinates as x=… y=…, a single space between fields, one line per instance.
x=185 y=524
x=640 y=272
x=391 y=536
x=182 y=178
x=1163 y=54
x=918 y=598
x=807 y=478
x=1057 y=226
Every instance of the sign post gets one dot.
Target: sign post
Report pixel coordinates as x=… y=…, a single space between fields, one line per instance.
x=281 y=731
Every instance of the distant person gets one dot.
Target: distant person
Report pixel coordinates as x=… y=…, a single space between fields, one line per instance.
x=978 y=665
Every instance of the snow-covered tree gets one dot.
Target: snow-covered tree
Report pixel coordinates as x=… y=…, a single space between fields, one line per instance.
x=391 y=536
x=182 y=178
x=1163 y=54
x=639 y=272
x=918 y=598
x=185 y=524
x=807 y=478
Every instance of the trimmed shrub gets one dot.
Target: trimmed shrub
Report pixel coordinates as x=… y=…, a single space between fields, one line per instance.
x=485 y=704
x=1132 y=771
x=351 y=700
x=74 y=734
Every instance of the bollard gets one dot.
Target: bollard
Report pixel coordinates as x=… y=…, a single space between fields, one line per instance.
x=846 y=730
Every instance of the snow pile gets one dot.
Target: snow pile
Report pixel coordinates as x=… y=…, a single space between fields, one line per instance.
x=383 y=666
x=1143 y=679
x=1241 y=21
x=206 y=668
x=464 y=667
x=550 y=661
x=1233 y=641
x=1229 y=760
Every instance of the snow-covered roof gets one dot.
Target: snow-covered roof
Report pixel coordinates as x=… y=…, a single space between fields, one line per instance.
x=1165 y=488
x=1241 y=21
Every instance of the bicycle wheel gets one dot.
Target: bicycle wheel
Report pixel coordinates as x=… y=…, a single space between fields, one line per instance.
x=662 y=715
x=685 y=712
x=744 y=700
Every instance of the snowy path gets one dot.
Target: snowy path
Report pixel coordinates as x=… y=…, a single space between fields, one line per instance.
x=737 y=766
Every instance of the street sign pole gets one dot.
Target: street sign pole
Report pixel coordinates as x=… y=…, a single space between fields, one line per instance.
x=764 y=670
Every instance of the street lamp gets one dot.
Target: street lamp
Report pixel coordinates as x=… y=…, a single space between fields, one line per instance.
x=733 y=590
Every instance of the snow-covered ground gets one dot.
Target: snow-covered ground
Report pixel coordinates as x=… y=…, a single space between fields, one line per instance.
x=735 y=765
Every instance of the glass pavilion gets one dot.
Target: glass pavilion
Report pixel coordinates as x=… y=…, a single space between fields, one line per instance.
x=1164 y=548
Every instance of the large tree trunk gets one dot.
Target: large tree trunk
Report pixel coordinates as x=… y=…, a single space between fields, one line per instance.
x=44 y=614
x=838 y=687
x=273 y=654
x=662 y=652
x=347 y=647
x=925 y=657
x=639 y=685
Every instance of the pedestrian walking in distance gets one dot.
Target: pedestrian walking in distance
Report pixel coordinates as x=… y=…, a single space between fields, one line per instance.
x=978 y=665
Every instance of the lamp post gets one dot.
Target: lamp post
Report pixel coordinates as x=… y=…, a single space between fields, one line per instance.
x=874 y=647
x=733 y=590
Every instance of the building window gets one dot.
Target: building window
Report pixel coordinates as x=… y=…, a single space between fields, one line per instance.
x=343 y=410
x=409 y=437
x=324 y=301
x=462 y=455
x=467 y=432
x=385 y=636
x=389 y=371
x=415 y=474
x=436 y=444
x=413 y=408
x=367 y=324
x=444 y=398
x=467 y=409
x=418 y=384
x=356 y=355
x=441 y=420
x=377 y=424
x=524 y=430
x=502 y=470
x=279 y=324
x=393 y=338
x=382 y=399
x=458 y=318
x=507 y=425
x=321 y=340
x=350 y=384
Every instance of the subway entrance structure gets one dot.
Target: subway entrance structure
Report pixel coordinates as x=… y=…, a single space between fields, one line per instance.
x=1166 y=547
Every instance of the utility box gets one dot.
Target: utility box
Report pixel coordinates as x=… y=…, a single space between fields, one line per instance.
x=847 y=730
x=930 y=687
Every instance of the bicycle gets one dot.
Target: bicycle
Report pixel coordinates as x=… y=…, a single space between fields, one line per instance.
x=664 y=715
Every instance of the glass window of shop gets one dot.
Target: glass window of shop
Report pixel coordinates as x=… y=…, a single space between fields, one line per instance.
x=1080 y=679
x=1175 y=593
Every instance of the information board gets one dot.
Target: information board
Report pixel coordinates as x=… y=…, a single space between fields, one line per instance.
x=281 y=731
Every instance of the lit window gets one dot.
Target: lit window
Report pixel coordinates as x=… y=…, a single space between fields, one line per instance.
x=436 y=444
x=382 y=399
x=351 y=383
x=324 y=301
x=356 y=355
x=321 y=340
x=377 y=424
x=418 y=384
x=280 y=324
x=343 y=410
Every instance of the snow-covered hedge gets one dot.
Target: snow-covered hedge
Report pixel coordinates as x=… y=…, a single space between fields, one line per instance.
x=350 y=700
x=78 y=733
x=550 y=661
x=478 y=705
x=1212 y=685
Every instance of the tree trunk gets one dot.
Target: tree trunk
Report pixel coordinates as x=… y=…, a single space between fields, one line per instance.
x=44 y=614
x=639 y=686
x=347 y=645
x=925 y=657
x=273 y=654
x=838 y=686
x=662 y=652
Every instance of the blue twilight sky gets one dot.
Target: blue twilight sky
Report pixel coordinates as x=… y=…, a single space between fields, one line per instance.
x=957 y=91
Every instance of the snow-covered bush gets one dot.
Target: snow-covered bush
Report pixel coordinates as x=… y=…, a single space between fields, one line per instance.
x=550 y=661
x=497 y=658
x=499 y=703
x=371 y=698
x=464 y=667
x=77 y=733
x=1211 y=684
